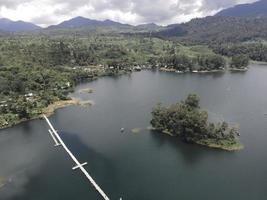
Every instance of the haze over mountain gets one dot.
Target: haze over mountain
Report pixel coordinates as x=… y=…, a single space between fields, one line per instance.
x=85 y=24
x=74 y=23
x=256 y=9
x=148 y=26
x=17 y=26
x=81 y=22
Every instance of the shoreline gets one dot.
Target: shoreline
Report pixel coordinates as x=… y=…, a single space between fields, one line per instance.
x=238 y=70
x=258 y=62
x=50 y=110
x=205 y=71
x=230 y=148
x=208 y=143
x=193 y=72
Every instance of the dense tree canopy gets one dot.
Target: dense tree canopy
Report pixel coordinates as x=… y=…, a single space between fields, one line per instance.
x=185 y=120
x=182 y=62
x=239 y=61
x=218 y=30
x=254 y=50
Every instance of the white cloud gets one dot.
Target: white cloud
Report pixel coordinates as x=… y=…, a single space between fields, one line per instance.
x=47 y=12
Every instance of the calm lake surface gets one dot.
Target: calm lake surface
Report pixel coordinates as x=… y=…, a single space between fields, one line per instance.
x=144 y=165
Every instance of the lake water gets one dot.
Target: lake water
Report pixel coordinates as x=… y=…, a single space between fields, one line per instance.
x=144 y=165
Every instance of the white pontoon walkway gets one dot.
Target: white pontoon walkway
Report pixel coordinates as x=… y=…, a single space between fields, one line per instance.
x=58 y=141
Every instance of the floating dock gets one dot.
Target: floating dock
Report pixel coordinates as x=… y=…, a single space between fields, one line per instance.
x=59 y=142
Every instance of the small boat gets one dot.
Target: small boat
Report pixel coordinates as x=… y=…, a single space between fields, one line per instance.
x=122 y=130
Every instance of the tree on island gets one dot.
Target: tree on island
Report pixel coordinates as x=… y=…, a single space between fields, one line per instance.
x=192 y=100
x=239 y=61
x=183 y=62
x=186 y=120
x=211 y=62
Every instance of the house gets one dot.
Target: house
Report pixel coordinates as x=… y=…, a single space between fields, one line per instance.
x=3 y=104
x=29 y=95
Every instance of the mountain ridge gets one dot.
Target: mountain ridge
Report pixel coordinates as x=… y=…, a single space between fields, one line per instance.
x=17 y=26
x=218 y=29
x=256 y=9
x=79 y=22
x=249 y=11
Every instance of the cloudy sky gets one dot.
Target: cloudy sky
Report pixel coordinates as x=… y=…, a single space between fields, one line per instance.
x=47 y=12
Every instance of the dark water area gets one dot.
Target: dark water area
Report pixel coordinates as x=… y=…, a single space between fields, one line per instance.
x=143 y=165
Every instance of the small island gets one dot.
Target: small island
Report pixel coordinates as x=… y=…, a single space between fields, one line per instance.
x=188 y=122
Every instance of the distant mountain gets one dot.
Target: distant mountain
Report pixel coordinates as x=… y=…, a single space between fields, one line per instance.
x=17 y=26
x=149 y=26
x=257 y=9
x=218 y=30
x=172 y=31
x=82 y=22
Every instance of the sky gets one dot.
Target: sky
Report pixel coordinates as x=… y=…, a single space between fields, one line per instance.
x=162 y=12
